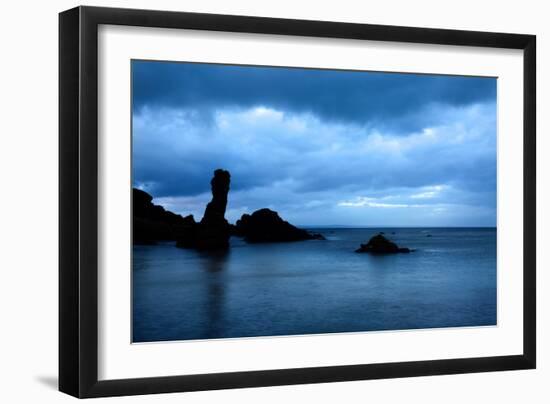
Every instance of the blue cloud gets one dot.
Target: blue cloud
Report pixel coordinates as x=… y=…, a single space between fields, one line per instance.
x=321 y=147
x=392 y=101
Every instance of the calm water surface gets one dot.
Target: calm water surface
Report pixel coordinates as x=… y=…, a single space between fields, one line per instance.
x=316 y=286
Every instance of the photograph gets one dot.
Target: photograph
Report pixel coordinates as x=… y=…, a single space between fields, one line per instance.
x=281 y=201
x=249 y=201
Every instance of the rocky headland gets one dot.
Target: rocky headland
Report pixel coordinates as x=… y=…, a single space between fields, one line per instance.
x=153 y=223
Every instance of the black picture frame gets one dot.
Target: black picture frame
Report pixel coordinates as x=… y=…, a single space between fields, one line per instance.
x=78 y=201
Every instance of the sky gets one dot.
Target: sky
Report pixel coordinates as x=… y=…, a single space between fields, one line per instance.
x=321 y=147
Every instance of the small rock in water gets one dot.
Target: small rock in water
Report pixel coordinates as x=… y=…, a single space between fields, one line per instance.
x=381 y=245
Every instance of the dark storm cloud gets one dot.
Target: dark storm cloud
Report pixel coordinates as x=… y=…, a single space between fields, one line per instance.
x=384 y=100
x=320 y=147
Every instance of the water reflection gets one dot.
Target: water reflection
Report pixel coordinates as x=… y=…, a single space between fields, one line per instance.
x=315 y=287
x=214 y=267
x=214 y=261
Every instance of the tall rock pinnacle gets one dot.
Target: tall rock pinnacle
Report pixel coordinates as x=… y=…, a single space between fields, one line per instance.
x=215 y=210
x=213 y=231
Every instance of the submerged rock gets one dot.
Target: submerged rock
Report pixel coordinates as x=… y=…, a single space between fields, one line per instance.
x=265 y=226
x=152 y=223
x=381 y=245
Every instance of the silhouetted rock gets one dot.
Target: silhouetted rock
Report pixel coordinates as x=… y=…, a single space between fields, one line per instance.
x=188 y=239
x=265 y=225
x=428 y=235
x=381 y=245
x=214 y=214
x=153 y=223
x=213 y=231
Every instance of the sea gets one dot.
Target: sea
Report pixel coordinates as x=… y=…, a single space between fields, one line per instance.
x=316 y=286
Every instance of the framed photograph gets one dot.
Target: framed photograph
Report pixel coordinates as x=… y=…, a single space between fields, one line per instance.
x=251 y=201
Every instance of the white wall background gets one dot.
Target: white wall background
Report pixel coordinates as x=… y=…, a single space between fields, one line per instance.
x=28 y=203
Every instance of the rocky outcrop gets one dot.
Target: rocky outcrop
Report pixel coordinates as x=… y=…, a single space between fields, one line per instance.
x=265 y=226
x=381 y=245
x=214 y=214
x=152 y=223
x=213 y=231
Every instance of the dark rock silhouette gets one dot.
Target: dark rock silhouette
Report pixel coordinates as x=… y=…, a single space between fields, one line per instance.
x=152 y=223
x=428 y=235
x=214 y=214
x=265 y=226
x=213 y=231
x=381 y=245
